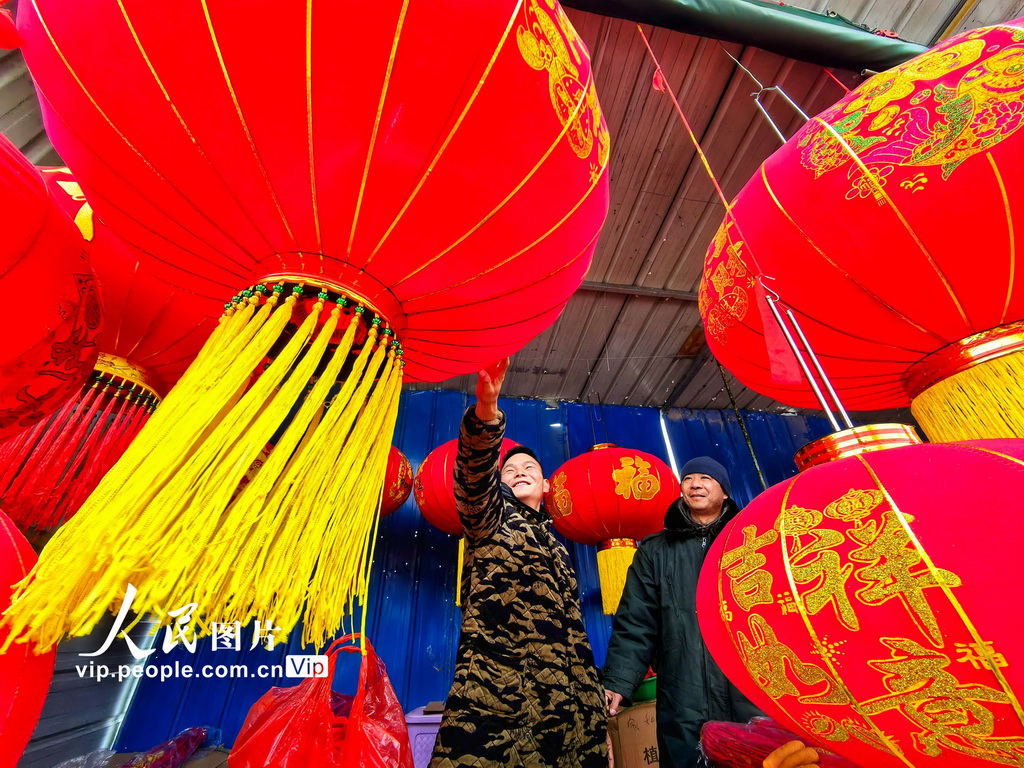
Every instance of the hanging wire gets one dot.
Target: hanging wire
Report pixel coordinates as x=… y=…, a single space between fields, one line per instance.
x=762 y=89
x=743 y=426
x=771 y=296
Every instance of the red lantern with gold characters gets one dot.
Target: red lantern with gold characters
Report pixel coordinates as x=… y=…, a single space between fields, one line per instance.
x=867 y=602
x=51 y=310
x=434 y=491
x=150 y=337
x=397 y=482
x=383 y=209
x=24 y=674
x=611 y=497
x=888 y=227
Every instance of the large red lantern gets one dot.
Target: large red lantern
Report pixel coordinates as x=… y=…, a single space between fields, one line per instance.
x=373 y=197
x=397 y=482
x=611 y=497
x=867 y=603
x=887 y=226
x=51 y=310
x=24 y=674
x=150 y=337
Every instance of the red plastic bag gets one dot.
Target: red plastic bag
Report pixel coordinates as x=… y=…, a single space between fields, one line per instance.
x=311 y=725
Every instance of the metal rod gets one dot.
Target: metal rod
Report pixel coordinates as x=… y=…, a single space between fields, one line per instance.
x=792 y=103
x=821 y=371
x=768 y=117
x=803 y=364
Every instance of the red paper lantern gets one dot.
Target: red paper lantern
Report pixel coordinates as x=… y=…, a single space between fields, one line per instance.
x=434 y=491
x=24 y=673
x=611 y=497
x=397 y=482
x=867 y=602
x=440 y=206
x=150 y=337
x=416 y=191
x=887 y=225
x=51 y=310
x=434 y=486
x=461 y=195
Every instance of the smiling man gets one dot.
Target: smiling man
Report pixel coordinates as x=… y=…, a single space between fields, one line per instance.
x=526 y=691
x=656 y=623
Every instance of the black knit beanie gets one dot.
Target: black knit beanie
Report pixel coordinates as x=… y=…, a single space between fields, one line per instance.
x=705 y=465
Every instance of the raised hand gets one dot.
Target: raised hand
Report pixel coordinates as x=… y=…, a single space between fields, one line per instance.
x=488 y=385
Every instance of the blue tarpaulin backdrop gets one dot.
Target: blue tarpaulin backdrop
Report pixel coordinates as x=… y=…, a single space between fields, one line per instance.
x=413 y=621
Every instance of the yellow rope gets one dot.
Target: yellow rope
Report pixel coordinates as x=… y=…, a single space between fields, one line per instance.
x=298 y=538
x=981 y=402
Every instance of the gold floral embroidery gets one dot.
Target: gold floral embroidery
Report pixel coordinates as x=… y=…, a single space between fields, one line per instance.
x=724 y=299
x=894 y=120
x=548 y=42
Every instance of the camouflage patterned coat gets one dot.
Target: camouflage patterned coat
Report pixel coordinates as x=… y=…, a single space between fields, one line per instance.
x=526 y=691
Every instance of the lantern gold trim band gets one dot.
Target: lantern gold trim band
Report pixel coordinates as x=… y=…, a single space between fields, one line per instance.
x=335 y=287
x=970 y=390
x=855 y=441
x=121 y=368
x=963 y=355
x=619 y=543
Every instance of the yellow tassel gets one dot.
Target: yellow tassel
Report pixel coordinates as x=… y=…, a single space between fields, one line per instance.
x=613 y=561
x=458 y=571
x=984 y=401
x=294 y=545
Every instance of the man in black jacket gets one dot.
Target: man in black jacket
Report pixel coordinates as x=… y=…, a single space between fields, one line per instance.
x=656 y=623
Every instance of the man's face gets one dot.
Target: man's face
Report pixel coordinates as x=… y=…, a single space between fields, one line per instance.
x=704 y=495
x=524 y=476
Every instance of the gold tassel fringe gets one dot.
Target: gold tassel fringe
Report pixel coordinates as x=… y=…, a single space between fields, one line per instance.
x=458 y=571
x=613 y=561
x=295 y=544
x=983 y=401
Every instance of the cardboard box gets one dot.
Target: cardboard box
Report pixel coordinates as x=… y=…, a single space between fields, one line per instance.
x=635 y=737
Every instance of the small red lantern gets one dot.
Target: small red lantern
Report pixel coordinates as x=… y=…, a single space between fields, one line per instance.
x=389 y=189
x=611 y=497
x=888 y=226
x=51 y=311
x=397 y=482
x=868 y=602
x=24 y=674
x=150 y=337
x=434 y=491
x=434 y=487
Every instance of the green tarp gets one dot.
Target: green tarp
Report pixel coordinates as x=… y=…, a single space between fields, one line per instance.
x=830 y=41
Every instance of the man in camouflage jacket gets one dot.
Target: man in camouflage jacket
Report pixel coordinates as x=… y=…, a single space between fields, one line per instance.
x=526 y=691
